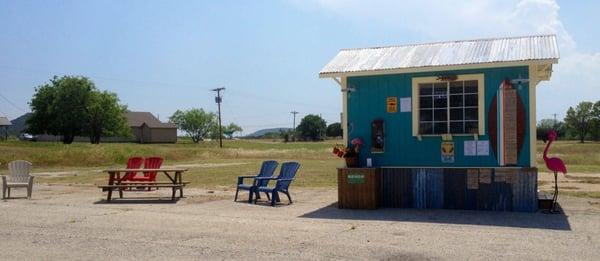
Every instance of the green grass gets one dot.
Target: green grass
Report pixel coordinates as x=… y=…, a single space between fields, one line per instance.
x=318 y=164
x=584 y=158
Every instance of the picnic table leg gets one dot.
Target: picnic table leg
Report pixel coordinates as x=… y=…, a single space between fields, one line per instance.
x=178 y=179
x=111 y=181
x=119 y=182
x=109 y=194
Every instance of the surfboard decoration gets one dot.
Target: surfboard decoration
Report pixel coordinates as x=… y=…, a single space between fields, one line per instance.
x=506 y=124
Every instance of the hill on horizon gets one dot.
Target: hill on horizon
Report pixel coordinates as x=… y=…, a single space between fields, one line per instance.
x=263 y=132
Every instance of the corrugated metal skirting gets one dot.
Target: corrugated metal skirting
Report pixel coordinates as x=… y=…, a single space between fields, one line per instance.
x=501 y=189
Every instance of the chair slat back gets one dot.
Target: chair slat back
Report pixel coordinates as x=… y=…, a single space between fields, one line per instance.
x=152 y=163
x=133 y=163
x=19 y=171
x=288 y=171
x=266 y=170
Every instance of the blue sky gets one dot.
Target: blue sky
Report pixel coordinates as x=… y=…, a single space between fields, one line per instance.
x=160 y=56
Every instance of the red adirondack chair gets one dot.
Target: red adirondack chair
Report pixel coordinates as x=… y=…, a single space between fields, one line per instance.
x=133 y=163
x=150 y=163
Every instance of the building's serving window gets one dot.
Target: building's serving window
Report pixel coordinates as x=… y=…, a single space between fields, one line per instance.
x=448 y=107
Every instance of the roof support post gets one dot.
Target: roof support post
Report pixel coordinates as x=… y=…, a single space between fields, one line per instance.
x=533 y=81
x=343 y=83
x=338 y=81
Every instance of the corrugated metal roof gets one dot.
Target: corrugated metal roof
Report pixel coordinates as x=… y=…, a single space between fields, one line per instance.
x=495 y=50
x=4 y=121
x=138 y=118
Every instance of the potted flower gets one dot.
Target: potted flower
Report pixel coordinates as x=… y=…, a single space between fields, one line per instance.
x=351 y=153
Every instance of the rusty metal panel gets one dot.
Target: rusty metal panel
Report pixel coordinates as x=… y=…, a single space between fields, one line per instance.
x=419 y=189
x=435 y=188
x=455 y=186
x=524 y=191
x=447 y=188
x=396 y=184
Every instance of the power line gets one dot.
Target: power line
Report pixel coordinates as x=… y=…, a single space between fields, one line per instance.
x=11 y=103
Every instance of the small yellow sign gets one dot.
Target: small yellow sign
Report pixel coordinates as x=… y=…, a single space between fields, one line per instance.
x=447 y=152
x=392 y=104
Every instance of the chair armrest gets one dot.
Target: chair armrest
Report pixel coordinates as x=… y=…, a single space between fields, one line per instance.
x=285 y=179
x=241 y=179
x=265 y=178
x=246 y=177
x=256 y=180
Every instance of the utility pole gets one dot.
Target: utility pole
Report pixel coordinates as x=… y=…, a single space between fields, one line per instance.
x=294 y=126
x=555 y=122
x=218 y=100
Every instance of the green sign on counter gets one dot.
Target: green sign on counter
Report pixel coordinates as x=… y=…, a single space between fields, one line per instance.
x=356 y=178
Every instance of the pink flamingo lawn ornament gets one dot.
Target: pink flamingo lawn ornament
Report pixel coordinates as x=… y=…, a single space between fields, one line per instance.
x=556 y=165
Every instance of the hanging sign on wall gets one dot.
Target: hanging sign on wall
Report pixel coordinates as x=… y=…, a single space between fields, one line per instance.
x=447 y=152
x=405 y=104
x=392 y=104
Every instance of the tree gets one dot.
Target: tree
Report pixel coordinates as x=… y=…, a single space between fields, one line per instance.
x=70 y=106
x=312 y=127
x=578 y=120
x=595 y=122
x=59 y=107
x=230 y=129
x=334 y=130
x=196 y=123
x=106 y=117
x=546 y=125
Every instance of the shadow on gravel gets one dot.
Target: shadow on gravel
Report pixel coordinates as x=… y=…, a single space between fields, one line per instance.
x=446 y=216
x=146 y=200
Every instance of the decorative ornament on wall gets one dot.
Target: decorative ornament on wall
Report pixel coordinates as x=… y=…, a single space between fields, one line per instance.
x=506 y=124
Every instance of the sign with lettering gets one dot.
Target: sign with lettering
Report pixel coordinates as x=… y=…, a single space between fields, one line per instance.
x=485 y=176
x=392 y=104
x=356 y=178
x=472 y=179
x=500 y=175
x=510 y=127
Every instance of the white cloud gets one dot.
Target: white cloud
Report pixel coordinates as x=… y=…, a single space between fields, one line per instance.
x=574 y=79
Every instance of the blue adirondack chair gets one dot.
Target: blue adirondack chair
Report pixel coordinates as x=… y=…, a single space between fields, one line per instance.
x=266 y=170
x=286 y=176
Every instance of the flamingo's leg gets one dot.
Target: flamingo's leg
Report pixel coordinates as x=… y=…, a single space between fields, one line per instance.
x=555 y=198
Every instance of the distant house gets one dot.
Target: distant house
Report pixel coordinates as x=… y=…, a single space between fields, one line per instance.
x=146 y=128
x=4 y=124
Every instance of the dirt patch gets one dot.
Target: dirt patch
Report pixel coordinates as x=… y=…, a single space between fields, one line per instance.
x=209 y=165
x=583 y=179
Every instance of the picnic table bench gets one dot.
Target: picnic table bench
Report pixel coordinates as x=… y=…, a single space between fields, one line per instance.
x=116 y=181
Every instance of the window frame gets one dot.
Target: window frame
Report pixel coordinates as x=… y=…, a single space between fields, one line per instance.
x=416 y=81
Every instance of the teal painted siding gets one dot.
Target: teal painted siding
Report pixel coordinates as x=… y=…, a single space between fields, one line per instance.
x=368 y=102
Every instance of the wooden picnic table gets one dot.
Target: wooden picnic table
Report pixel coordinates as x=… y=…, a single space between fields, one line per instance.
x=116 y=181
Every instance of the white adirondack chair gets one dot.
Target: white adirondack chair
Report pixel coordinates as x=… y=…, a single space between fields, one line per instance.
x=18 y=177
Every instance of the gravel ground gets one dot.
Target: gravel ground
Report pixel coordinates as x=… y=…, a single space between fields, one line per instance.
x=67 y=222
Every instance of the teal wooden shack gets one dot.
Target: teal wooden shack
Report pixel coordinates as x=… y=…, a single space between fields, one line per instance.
x=450 y=124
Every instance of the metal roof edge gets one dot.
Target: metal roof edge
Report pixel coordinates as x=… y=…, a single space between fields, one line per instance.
x=451 y=41
x=438 y=68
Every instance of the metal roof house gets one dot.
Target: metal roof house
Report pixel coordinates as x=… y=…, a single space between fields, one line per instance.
x=447 y=124
x=5 y=123
x=148 y=129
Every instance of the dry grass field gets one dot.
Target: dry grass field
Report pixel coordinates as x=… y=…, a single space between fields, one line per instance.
x=213 y=168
